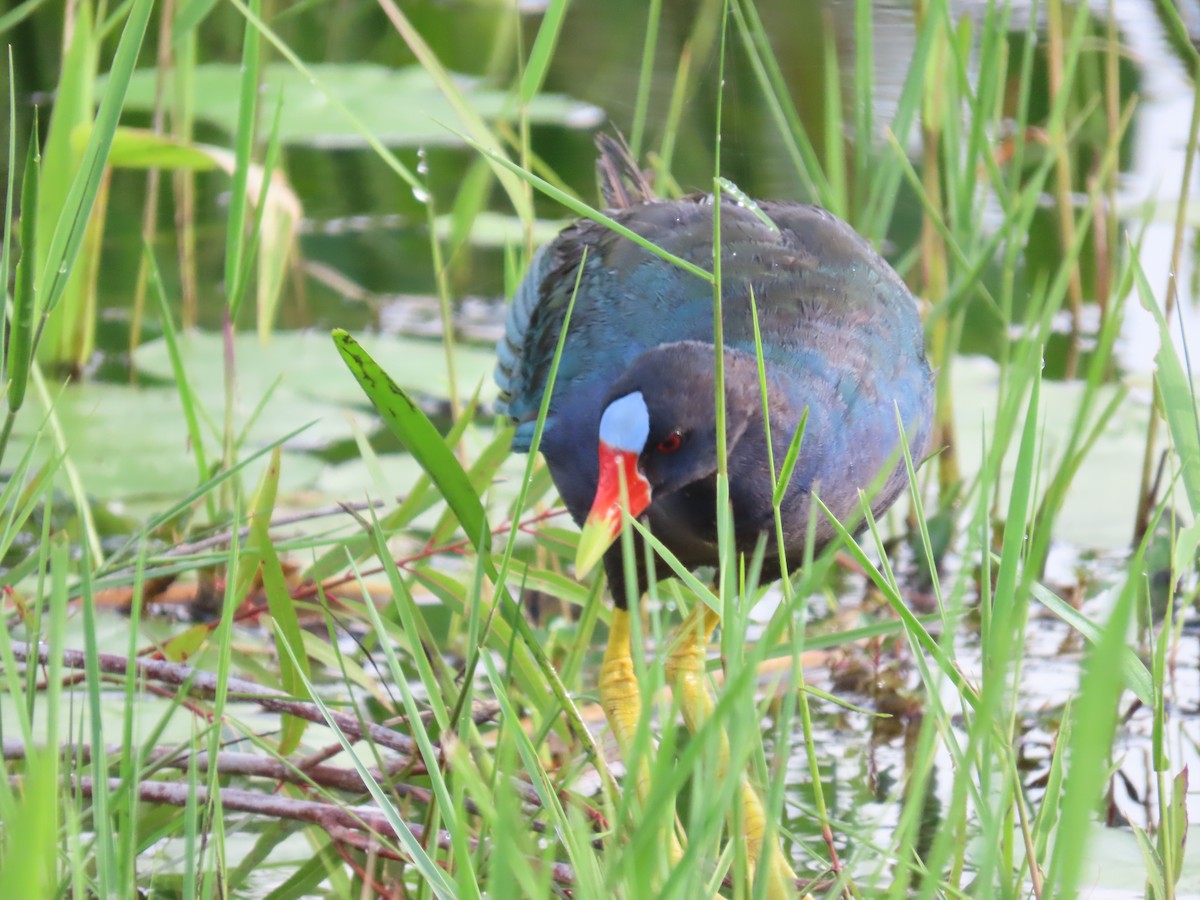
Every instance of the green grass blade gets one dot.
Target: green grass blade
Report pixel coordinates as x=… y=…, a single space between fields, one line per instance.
x=645 y=79
x=406 y=420
x=587 y=212
x=74 y=102
x=789 y=460
x=289 y=639
x=418 y=499
x=187 y=397
x=76 y=210
x=542 y=52
x=15 y=17
x=433 y=875
x=912 y=625
x=235 y=233
x=6 y=238
x=1091 y=733
x=1134 y=671
x=1176 y=393
x=413 y=631
x=20 y=349
x=469 y=118
x=192 y=496
x=375 y=144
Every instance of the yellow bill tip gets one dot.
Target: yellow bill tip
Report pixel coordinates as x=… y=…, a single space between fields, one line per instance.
x=596 y=537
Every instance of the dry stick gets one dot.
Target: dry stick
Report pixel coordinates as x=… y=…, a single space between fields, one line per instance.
x=350 y=825
x=203 y=684
x=353 y=825
x=340 y=823
x=222 y=540
x=310 y=589
x=253 y=765
x=365 y=870
x=229 y=762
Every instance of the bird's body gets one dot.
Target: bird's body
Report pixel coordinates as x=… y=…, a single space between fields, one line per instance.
x=631 y=423
x=840 y=338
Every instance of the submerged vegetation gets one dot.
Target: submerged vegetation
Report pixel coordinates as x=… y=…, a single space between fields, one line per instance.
x=264 y=642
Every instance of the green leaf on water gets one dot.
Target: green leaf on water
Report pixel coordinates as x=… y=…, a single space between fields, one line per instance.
x=309 y=373
x=161 y=465
x=406 y=420
x=369 y=91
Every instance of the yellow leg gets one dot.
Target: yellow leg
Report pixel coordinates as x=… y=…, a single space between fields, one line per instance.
x=685 y=671
x=621 y=700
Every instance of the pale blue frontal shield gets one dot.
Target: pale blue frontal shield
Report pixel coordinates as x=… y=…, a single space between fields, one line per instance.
x=625 y=424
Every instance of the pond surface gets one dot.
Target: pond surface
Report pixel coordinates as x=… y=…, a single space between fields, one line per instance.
x=364 y=239
x=365 y=265
x=361 y=222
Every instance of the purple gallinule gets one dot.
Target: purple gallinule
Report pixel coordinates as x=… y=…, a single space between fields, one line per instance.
x=631 y=423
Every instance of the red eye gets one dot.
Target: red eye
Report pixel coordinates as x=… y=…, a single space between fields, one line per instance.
x=670 y=443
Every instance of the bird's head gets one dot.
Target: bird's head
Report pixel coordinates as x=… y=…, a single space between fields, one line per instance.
x=658 y=433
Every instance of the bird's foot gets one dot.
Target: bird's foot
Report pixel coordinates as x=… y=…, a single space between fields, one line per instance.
x=685 y=672
x=779 y=876
x=685 y=667
x=621 y=700
x=620 y=697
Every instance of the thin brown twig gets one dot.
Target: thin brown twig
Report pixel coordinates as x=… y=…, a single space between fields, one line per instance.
x=343 y=842
x=310 y=589
x=225 y=538
x=358 y=826
x=253 y=765
x=319 y=756
x=231 y=762
x=202 y=684
x=199 y=683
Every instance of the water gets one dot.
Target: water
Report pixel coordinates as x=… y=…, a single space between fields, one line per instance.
x=365 y=251
x=386 y=251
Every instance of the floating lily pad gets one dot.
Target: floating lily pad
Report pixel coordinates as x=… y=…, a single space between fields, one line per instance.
x=399 y=106
x=352 y=480
x=1102 y=499
x=493 y=229
x=131 y=444
x=306 y=382
x=309 y=369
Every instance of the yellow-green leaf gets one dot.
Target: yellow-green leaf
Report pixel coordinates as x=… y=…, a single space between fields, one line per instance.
x=138 y=148
x=293 y=665
x=406 y=420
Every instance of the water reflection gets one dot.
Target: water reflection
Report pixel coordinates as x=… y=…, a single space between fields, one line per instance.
x=368 y=248
x=598 y=60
